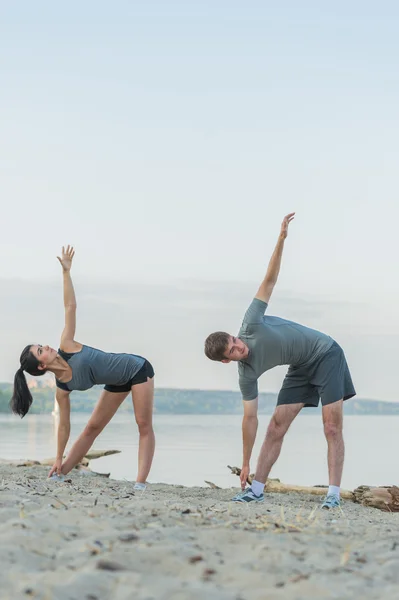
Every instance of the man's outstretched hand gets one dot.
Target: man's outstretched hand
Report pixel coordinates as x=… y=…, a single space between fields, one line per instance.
x=244 y=476
x=284 y=225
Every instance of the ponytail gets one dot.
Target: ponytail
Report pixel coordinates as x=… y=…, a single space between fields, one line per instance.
x=22 y=398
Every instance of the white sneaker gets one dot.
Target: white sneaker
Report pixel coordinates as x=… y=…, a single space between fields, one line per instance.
x=139 y=487
x=56 y=477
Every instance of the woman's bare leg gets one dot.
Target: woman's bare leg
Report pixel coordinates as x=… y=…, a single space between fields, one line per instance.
x=106 y=407
x=143 y=401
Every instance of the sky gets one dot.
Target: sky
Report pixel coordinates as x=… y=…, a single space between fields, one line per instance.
x=166 y=140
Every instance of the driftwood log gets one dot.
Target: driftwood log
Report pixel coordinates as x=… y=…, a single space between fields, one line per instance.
x=48 y=462
x=384 y=498
x=275 y=485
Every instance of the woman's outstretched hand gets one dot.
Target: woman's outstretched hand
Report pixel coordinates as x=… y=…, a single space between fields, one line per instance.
x=66 y=258
x=56 y=468
x=284 y=225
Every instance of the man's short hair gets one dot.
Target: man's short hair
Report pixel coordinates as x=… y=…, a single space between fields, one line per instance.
x=216 y=345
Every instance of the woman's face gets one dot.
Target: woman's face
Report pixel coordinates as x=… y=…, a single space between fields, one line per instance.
x=44 y=354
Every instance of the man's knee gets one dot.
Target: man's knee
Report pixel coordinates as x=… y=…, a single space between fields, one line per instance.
x=332 y=429
x=277 y=428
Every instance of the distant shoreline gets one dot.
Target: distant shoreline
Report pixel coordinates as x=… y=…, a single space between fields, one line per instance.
x=186 y=401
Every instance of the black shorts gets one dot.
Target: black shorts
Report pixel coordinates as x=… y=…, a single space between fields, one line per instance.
x=327 y=378
x=140 y=377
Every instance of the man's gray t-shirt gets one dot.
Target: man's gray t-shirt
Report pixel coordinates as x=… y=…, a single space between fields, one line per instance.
x=273 y=341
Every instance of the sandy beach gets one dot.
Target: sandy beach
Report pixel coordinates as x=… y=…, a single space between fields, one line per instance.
x=95 y=539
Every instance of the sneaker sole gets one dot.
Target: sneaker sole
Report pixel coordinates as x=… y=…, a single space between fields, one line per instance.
x=247 y=501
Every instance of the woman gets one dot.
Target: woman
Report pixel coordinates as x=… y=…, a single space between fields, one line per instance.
x=80 y=367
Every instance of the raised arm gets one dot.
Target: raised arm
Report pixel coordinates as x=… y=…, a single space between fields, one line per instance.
x=267 y=285
x=68 y=335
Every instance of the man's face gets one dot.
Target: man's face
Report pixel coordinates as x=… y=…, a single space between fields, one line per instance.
x=236 y=350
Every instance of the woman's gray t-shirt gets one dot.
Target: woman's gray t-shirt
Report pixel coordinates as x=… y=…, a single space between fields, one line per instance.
x=273 y=341
x=93 y=367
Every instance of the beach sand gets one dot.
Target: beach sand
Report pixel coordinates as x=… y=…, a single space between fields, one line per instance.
x=95 y=539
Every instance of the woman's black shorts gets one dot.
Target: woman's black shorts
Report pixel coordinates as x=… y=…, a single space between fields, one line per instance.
x=140 y=377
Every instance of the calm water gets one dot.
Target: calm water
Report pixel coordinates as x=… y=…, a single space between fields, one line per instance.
x=192 y=448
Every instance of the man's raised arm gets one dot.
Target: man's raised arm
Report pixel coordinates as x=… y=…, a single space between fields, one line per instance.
x=267 y=285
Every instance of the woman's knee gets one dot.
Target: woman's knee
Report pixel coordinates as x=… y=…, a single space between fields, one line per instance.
x=92 y=430
x=144 y=426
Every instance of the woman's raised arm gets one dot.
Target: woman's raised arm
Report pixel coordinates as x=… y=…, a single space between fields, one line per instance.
x=68 y=335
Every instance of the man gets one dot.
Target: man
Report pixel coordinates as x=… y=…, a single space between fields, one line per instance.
x=317 y=369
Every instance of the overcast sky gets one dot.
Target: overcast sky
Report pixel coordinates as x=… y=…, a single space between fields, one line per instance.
x=166 y=140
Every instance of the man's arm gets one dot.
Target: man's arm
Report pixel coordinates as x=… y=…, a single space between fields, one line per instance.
x=267 y=285
x=249 y=429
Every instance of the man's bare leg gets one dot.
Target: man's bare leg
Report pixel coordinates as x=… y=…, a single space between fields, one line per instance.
x=271 y=447
x=333 y=425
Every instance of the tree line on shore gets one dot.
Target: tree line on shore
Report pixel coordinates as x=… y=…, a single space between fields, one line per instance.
x=184 y=401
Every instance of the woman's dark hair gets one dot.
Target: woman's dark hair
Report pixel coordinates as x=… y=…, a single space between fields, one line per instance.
x=22 y=398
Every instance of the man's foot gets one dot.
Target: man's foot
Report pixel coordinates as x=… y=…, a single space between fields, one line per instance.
x=331 y=501
x=248 y=496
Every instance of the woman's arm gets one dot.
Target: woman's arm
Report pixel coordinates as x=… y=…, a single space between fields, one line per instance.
x=64 y=428
x=68 y=335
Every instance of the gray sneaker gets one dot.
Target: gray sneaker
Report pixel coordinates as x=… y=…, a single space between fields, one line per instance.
x=331 y=501
x=248 y=496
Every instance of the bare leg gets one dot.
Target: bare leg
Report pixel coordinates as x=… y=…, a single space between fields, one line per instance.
x=106 y=407
x=333 y=424
x=143 y=401
x=271 y=447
